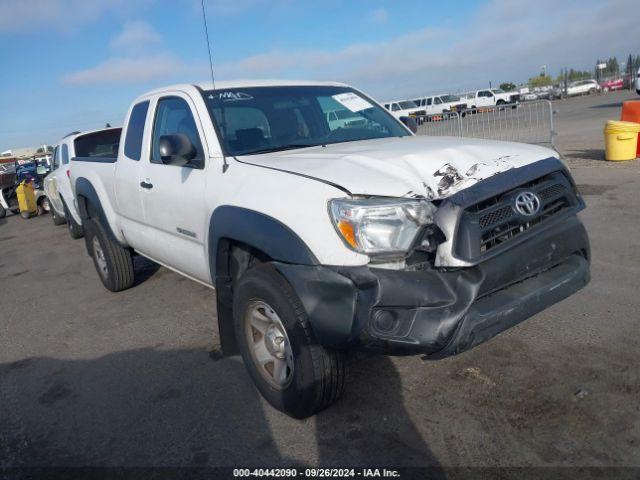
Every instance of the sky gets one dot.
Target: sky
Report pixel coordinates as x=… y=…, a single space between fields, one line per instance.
x=77 y=64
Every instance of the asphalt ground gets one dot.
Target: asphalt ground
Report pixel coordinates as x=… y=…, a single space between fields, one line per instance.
x=92 y=378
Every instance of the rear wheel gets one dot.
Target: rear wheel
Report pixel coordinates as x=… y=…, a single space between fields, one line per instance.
x=43 y=206
x=113 y=262
x=57 y=219
x=75 y=229
x=3 y=212
x=292 y=372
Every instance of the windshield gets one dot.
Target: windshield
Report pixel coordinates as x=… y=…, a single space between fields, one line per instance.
x=450 y=98
x=268 y=119
x=497 y=90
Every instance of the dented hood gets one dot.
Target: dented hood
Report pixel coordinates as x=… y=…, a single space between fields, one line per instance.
x=417 y=166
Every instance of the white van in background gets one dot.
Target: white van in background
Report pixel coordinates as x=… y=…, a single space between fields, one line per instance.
x=441 y=103
x=403 y=108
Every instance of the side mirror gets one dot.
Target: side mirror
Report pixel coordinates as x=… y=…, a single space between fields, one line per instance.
x=177 y=149
x=410 y=123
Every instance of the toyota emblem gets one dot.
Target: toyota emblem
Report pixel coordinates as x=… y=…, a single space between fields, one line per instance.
x=527 y=204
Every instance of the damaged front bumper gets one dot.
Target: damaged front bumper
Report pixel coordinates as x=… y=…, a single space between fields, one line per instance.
x=440 y=312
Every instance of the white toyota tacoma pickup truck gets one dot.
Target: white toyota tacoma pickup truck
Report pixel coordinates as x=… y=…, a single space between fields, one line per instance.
x=320 y=238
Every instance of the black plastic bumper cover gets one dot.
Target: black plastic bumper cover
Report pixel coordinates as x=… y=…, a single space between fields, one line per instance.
x=441 y=312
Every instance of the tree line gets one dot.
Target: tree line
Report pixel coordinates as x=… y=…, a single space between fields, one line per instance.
x=611 y=69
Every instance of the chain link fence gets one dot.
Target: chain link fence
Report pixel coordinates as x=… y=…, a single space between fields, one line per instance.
x=530 y=122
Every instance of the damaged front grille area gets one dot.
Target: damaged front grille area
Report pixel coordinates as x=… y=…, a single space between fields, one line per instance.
x=494 y=221
x=506 y=231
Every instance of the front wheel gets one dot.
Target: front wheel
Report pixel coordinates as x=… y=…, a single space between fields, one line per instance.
x=3 y=212
x=292 y=372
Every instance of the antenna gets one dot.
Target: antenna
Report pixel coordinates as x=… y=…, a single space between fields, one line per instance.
x=206 y=32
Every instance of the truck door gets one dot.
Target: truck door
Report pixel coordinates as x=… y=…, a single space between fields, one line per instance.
x=51 y=184
x=429 y=106
x=485 y=98
x=173 y=196
x=128 y=176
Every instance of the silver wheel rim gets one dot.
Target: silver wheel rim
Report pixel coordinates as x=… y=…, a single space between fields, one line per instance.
x=269 y=344
x=101 y=261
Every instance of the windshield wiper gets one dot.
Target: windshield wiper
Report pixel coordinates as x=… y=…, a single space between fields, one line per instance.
x=279 y=148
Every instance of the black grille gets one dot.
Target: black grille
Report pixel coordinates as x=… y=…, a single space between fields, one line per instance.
x=496 y=216
x=507 y=231
x=494 y=221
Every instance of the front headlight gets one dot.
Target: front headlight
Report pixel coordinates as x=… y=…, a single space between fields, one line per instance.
x=377 y=226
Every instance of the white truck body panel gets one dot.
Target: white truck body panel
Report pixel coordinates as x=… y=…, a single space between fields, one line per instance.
x=185 y=198
x=57 y=185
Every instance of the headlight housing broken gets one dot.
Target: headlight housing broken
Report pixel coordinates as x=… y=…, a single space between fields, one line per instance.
x=380 y=226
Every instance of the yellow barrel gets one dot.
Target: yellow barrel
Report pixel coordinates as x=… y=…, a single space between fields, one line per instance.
x=26 y=198
x=621 y=140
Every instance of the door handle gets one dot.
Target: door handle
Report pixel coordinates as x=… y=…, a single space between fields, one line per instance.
x=146 y=185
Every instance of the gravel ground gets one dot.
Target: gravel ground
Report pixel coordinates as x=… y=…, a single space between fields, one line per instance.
x=88 y=377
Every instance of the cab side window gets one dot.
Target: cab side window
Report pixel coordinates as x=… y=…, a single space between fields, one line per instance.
x=395 y=107
x=173 y=116
x=64 y=154
x=135 y=131
x=437 y=101
x=56 y=157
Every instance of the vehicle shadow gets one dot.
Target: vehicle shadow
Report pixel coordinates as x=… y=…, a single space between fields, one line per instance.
x=154 y=407
x=588 y=154
x=145 y=407
x=371 y=423
x=608 y=105
x=144 y=269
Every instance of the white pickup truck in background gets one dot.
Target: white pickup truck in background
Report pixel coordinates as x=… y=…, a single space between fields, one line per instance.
x=57 y=185
x=489 y=97
x=321 y=236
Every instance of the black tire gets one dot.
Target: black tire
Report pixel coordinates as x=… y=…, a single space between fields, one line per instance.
x=75 y=230
x=57 y=219
x=118 y=273
x=44 y=205
x=318 y=375
x=500 y=102
x=3 y=212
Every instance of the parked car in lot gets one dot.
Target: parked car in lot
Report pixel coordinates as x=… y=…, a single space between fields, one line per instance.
x=490 y=97
x=95 y=144
x=11 y=175
x=612 y=85
x=440 y=103
x=582 y=87
x=320 y=238
x=403 y=108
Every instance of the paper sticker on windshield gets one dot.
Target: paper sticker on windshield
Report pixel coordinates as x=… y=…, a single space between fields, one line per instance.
x=352 y=101
x=230 y=96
